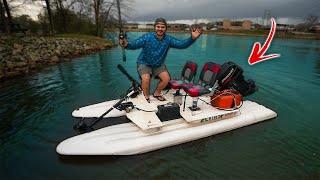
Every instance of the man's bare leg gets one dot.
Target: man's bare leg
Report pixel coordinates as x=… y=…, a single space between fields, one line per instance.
x=164 y=80
x=145 y=85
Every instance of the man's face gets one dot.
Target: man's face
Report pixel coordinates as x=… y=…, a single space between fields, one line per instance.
x=160 y=29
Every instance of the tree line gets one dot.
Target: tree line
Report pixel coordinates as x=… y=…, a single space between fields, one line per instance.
x=65 y=16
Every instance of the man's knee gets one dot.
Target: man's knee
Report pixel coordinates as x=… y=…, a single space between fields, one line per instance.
x=145 y=78
x=165 y=77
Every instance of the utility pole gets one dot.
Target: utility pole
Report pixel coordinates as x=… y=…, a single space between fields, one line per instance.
x=266 y=17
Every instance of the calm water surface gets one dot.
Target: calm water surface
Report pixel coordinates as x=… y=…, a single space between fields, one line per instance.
x=35 y=115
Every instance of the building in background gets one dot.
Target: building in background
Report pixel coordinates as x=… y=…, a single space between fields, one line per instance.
x=177 y=27
x=131 y=26
x=315 y=28
x=236 y=25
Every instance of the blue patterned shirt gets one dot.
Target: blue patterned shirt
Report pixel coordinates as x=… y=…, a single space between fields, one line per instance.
x=154 y=51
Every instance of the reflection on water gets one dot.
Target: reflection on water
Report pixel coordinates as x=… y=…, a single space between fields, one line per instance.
x=317 y=66
x=88 y=160
x=27 y=101
x=36 y=115
x=203 y=39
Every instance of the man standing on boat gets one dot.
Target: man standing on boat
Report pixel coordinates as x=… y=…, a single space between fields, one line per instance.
x=155 y=46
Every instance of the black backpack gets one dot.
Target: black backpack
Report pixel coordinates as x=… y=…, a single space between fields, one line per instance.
x=231 y=77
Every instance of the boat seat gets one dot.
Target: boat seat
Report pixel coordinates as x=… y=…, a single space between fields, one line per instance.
x=195 y=90
x=187 y=75
x=206 y=84
x=206 y=81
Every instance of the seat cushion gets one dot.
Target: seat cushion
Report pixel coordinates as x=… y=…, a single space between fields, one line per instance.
x=176 y=84
x=195 y=90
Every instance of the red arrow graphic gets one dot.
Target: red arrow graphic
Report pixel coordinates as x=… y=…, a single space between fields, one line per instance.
x=257 y=53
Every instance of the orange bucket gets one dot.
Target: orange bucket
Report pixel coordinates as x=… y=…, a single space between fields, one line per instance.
x=226 y=99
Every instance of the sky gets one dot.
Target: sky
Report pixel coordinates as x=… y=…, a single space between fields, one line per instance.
x=285 y=10
x=32 y=9
x=191 y=11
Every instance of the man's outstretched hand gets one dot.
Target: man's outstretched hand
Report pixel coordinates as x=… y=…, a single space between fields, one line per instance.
x=196 y=32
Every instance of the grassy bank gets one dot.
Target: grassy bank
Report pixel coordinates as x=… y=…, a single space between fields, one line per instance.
x=23 y=55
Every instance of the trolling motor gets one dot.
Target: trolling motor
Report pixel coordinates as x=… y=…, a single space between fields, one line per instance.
x=132 y=92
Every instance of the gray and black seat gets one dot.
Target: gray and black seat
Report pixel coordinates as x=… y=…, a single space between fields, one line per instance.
x=187 y=75
x=206 y=84
x=207 y=80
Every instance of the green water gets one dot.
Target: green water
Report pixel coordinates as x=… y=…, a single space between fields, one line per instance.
x=35 y=115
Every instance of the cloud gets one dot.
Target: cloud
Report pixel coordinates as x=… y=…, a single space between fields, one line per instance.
x=190 y=9
x=30 y=8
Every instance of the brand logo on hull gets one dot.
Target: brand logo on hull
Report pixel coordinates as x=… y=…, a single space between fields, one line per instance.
x=219 y=117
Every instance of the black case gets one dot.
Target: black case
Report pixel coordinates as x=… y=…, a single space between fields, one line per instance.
x=168 y=111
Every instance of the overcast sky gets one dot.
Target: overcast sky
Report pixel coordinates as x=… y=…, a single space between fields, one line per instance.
x=147 y=10
x=285 y=11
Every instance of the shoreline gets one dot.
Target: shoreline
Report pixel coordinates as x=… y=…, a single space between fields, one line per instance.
x=251 y=33
x=279 y=35
x=28 y=54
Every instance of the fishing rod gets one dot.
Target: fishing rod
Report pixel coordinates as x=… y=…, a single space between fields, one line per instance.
x=133 y=81
x=122 y=34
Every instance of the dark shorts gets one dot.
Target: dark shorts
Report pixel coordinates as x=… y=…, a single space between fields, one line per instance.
x=154 y=71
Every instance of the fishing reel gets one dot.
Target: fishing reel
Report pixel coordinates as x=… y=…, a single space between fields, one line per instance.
x=122 y=35
x=137 y=89
x=127 y=106
x=135 y=94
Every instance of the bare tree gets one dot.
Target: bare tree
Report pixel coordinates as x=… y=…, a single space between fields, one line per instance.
x=101 y=8
x=9 y=17
x=49 y=11
x=3 y=20
x=125 y=11
x=105 y=11
x=310 y=21
x=82 y=7
x=2 y=15
x=97 y=8
x=62 y=14
x=101 y=11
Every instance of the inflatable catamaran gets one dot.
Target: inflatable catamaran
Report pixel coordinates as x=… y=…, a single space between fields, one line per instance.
x=132 y=125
